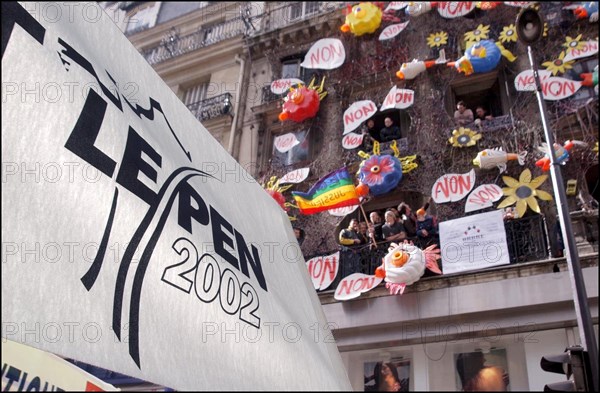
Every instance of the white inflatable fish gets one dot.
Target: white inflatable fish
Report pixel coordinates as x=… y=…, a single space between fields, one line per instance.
x=489 y=158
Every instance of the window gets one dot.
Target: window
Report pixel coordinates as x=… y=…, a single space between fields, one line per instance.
x=195 y=94
x=297 y=154
x=400 y=118
x=479 y=89
x=142 y=18
x=303 y=9
x=290 y=68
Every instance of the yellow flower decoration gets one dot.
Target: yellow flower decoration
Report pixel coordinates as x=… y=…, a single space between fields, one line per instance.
x=574 y=43
x=545 y=30
x=464 y=137
x=595 y=149
x=509 y=34
x=523 y=192
x=480 y=33
x=437 y=39
x=558 y=65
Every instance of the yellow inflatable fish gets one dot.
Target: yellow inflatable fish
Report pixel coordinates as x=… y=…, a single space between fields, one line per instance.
x=489 y=158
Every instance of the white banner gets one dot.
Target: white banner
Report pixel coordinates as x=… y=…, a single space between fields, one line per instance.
x=357 y=113
x=398 y=98
x=323 y=270
x=131 y=233
x=473 y=242
x=281 y=86
x=325 y=54
x=295 y=176
x=453 y=187
x=352 y=140
x=589 y=48
x=553 y=88
x=286 y=142
x=455 y=9
x=352 y=286
x=342 y=211
x=482 y=197
x=392 y=30
x=26 y=369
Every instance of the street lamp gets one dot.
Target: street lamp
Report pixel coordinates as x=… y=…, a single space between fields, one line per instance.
x=530 y=27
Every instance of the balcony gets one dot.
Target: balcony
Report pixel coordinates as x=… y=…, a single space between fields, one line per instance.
x=296 y=12
x=527 y=241
x=174 y=45
x=211 y=108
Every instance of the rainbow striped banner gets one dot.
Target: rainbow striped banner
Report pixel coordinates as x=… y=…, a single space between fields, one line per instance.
x=330 y=192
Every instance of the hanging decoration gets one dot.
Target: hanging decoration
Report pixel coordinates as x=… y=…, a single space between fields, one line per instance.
x=488 y=5
x=483 y=56
x=380 y=173
x=358 y=113
x=509 y=34
x=302 y=103
x=589 y=48
x=411 y=70
x=482 y=197
x=437 y=39
x=286 y=142
x=590 y=79
x=464 y=137
x=490 y=158
x=585 y=10
x=558 y=65
x=396 y=5
x=553 y=88
x=398 y=99
x=561 y=153
x=295 y=176
x=453 y=187
x=416 y=8
x=454 y=9
x=352 y=286
x=280 y=86
x=480 y=33
x=363 y=18
x=342 y=211
x=506 y=53
x=325 y=54
x=352 y=140
x=523 y=192
x=323 y=270
x=276 y=191
x=405 y=263
x=333 y=190
x=574 y=43
x=392 y=30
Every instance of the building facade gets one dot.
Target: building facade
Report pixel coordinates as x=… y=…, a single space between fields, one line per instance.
x=221 y=58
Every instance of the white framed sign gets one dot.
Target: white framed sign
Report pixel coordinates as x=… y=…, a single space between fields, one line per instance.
x=473 y=242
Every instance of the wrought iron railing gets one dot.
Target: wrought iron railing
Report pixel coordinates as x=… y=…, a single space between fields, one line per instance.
x=295 y=12
x=526 y=239
x=173 y=45
x=212 y=107
x=498 y=123
x=267 y=96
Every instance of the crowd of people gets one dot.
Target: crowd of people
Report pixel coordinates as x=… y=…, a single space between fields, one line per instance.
x=464 y=116
x=398 y=224
x=387 y=134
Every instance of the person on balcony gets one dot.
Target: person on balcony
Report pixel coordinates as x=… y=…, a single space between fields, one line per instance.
x=393 y=230
x=463 y=115
x=390 y=131
x=375 y=226
x=427 y=229
x=481 y=116
x=349 y=236
x=408 y=218
x=363 y=232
